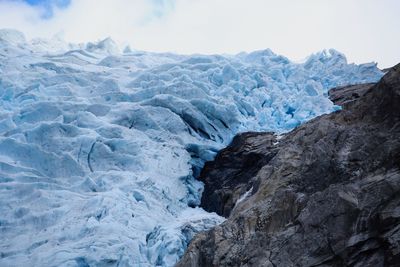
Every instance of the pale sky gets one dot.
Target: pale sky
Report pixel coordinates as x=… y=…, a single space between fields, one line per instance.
x=364 y=30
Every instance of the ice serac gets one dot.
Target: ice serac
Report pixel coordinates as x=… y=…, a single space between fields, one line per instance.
x=324 y=194
x=99 y=149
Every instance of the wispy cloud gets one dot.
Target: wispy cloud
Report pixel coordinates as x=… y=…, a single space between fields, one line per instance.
x=365 y=30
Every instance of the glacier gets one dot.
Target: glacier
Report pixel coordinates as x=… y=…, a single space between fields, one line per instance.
x=100 y=147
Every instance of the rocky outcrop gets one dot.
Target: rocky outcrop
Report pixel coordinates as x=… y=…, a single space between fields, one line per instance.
x=325 y=194
x=345 y=95
x=228 y=177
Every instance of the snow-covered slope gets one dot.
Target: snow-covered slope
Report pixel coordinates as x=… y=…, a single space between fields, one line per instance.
x=98 y=148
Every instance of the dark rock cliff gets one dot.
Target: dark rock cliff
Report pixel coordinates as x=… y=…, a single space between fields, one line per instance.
x=325 y=194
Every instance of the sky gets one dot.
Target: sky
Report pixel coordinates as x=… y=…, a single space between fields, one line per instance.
x=364 y=30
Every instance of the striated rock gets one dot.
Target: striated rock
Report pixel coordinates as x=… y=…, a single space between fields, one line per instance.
x=325 y=194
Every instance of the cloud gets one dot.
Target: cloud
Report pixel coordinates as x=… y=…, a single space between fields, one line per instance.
x=365 y=30
x=81 y=21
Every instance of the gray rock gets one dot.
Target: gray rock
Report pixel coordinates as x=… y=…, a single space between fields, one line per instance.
x=325 y=194
x=347 y=94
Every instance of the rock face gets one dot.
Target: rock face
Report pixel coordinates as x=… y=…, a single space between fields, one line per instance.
x=325 y=194
x=227 y=177
x=347 y=94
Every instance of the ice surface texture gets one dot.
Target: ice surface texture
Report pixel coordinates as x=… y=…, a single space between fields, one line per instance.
x=98 y=148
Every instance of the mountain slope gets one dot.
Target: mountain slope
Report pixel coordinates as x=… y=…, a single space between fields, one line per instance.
x=325 y=194
x=99 y=149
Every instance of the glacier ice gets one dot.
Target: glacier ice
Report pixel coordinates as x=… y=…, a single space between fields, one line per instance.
x=99 y=148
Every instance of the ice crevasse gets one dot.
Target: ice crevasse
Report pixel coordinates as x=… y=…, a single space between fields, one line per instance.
x=99 y=149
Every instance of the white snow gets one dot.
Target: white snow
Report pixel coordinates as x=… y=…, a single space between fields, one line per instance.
x=98 y=148
x=244 y=196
